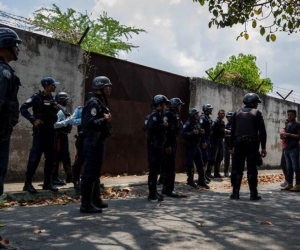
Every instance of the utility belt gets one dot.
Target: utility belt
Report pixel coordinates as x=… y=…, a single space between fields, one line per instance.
x=5 y=124
x=246 y=139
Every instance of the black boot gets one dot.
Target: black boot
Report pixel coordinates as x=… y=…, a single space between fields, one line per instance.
x=50 y=186
x=190 y=179
x=217 y=167
x=252 y=182
x=68 y=171
x=77 y=185
x=208 y=170
x=87 y=206
x=153 y=195
x=29 y=187
x=236 y=181
x=170 y=183
x=96 y=199
x=163 y=180
x=201 y=180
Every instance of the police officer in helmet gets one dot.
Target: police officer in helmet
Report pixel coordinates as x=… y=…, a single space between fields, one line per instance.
x=43 y=118
x=9 y=87
x=171 y=115
x=248 y=134
x=156 y=129
x=96 y=127
x=194 y=137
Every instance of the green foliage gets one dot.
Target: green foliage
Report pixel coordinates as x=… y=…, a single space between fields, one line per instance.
x=241 y=71
x=106 y=35
x=273 y=15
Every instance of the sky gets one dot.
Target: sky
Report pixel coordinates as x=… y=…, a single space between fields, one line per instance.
x=179 y=41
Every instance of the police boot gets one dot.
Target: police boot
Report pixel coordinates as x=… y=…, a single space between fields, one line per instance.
x=252 y=182
x=236 y=184
x=201 y=180
x=55 y=180
x=217 y=167
x=190 y=179
x=47 y=183
x=68 y=171
x=96 y=199
x=29 y=187
x=208 y=171
x=164 y=180
x=153 y=195
x=170 y=186
x=86 y=197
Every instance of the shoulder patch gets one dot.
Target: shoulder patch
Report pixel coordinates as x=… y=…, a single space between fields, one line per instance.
x=184 y=126
x=6 y=73
x=154 y=118
x=201 y=120
x=93 y=111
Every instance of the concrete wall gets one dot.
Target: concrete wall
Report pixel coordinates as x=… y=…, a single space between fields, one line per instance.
x=39 y=57
x=231 y=99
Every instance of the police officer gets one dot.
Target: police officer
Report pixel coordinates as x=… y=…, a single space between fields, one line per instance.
x=62 y=130
x=171 y=115
x=206 y=124
x=79 y=144
x=43 y=118
x=96 y=127
x=215 y=154
x=227 y=143
x=248 y=133
x=194 y=137
x=9 y=87
x=156 y=129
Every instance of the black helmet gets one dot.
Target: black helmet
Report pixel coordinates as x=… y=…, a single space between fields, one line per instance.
x=251 y=98
x=160 y=99
x=8 y=38
x=207 y=107
x=100 y=82
x=229 y=114
x=193 y=111
x=48 y=80
x=174 y=102
x=61 y=97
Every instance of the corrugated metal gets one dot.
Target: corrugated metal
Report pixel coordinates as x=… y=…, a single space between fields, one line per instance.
x=133 y=88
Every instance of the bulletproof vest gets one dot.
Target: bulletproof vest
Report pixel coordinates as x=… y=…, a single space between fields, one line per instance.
x=206 y=124
x=245 y=120
x=101 y=106
x=156 y=138
x=174 y=122
x=45 y=110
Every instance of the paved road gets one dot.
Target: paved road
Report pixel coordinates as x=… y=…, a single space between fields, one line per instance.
x=202 y=220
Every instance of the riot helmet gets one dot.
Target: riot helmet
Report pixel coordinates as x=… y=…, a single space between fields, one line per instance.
x=160 y=99
x=251 y=98
x=229 y=114
x=62 y=97
x=207 y=107
x=174 y=102
x=9 y=39
x=100 y=82
x=193 y=111
x=48 y=80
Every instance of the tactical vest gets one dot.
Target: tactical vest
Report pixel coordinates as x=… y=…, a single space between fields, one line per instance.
x=246 y=122
x=45 y=110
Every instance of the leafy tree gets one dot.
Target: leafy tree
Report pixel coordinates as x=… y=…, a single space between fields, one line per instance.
x=106 y=35
x=270 y=16
x=241 y=71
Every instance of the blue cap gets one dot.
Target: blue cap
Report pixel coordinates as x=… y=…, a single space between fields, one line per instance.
x=48 y=80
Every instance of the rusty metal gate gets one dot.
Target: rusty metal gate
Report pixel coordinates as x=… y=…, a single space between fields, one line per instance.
x=133 y=88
